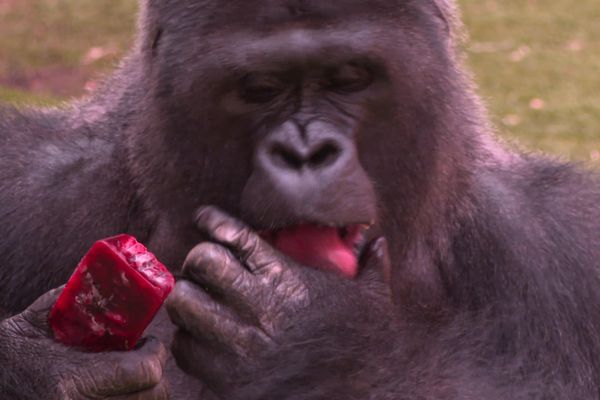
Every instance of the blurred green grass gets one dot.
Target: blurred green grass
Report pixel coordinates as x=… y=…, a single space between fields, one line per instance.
x=537 y=62
x=50 y=49
x=538 y=66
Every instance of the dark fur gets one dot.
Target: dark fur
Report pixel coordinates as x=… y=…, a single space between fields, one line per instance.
x=495 y=254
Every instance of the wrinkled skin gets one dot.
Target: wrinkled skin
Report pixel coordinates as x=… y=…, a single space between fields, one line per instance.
x=57 y=372
x=241 y=301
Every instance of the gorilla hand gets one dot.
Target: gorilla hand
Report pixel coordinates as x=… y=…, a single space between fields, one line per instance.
x=50 y=370
x=252 y=322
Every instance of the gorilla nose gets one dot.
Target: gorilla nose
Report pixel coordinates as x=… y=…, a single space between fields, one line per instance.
x=318 y=156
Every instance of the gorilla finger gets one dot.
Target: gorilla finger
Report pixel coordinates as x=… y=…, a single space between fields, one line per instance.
x=159 y=392
x=193 y=310
x=47 y=300
x=244 y=242
x=200 y=358
x=129 y=372
x=153 y=347
x=37 y=313
x=212 y=265
x=377 y=260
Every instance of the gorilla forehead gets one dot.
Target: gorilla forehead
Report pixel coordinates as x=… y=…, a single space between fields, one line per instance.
x=215 y=15
x=252 y=32
x=278 y=10
x=294 y=45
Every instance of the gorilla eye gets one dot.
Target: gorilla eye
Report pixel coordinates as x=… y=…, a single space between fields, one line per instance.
x=350 y=78
x=259 y=89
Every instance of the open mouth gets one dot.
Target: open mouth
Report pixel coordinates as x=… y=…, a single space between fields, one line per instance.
x=336 y=248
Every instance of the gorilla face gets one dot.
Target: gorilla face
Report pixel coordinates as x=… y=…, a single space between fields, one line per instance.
x=300 y=127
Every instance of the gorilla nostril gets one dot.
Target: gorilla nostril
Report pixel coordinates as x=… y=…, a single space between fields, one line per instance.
x=324 y=156
x=286 y=157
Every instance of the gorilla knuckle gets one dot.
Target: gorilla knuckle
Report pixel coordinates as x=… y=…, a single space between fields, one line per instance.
x=240 y=280
x=152 y=370
x=205 y=255
x=232 y=232
x=177 y=300
x=182 y=292
x=155 y=348
x=205 y=214
x=138 y=373
x=250 y=244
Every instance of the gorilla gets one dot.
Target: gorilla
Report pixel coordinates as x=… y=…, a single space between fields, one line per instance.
x=323 y=180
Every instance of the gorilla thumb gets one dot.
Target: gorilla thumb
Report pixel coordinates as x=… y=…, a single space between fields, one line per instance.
x=37 y=313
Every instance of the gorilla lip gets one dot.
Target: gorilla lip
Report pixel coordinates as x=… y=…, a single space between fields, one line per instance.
x=335 y=248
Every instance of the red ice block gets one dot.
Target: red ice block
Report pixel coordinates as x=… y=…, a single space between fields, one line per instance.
x=115 y=292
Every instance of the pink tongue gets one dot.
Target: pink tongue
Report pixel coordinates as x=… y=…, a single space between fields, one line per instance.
x=318 y=246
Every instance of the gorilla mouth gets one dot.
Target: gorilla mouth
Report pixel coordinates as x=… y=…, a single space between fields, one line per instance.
x=325 y=247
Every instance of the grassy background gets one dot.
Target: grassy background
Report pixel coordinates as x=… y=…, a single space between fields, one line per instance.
x=537 y=62
x=538 y=65
x=51 y=50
